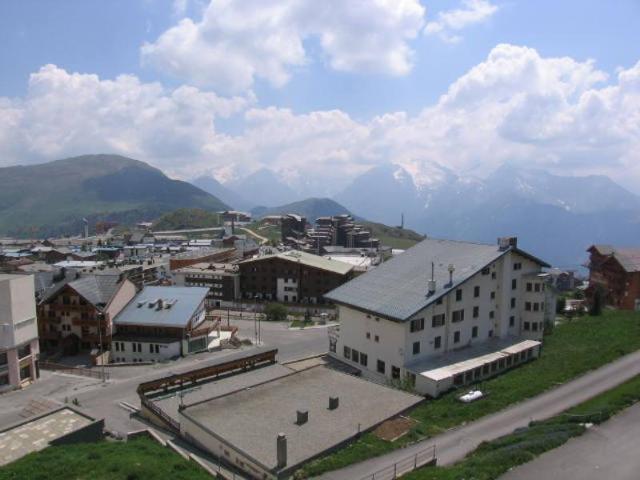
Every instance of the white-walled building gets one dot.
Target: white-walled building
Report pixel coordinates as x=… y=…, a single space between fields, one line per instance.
x=442 y=314
x=18 y=331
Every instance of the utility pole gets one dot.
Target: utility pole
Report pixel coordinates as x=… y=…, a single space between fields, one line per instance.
x=100 y=318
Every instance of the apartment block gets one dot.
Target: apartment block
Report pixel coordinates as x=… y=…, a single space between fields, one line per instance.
x=18 y=332
x=443 y=314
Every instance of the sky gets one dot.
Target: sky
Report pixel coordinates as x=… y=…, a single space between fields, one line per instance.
x=324 y=89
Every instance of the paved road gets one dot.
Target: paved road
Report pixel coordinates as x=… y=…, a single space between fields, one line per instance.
x=453 y=445
x=609 y=450
x=102 y=399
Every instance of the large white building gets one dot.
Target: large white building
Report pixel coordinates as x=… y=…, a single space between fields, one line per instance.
x=443 y=314
x=18 y=331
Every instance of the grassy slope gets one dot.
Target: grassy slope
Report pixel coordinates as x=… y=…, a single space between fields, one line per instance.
x=185 y=218
x=572 y=349
x=492 y=459
x=138 y=459
x=392 y=236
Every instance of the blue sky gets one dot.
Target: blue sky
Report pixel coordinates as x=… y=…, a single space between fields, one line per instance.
x=105 y=38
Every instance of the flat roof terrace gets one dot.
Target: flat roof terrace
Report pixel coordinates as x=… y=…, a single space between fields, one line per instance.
x=251 y=419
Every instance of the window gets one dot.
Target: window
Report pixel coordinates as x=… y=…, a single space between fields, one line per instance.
x=459 y=295
x=529 y=287
x=395 y=372
x=526 y=326
x=476 y=312
x=355 y=355
x=512 y=321
x=439 y=301
x=490 y=334
x=368 y=335
x=534 y=326
x=3 y=358
x=537 y=287
x=493 y=295
x=513 y=303
x=437 y=342
x=517 y=266
x=485 y=271
x=456 y=336
x=474 y=332
x=527 y=306
x=24 y=351
x=514 y=284
x=117 y=345
x=417 y=325
x=151 y=348
x=493 y=275
x=492 y=314
x=381 y=367
x=364 y=359
x=25 y=372
x=416 y=348
x=377 y=339
x=536 y=307
x=458 y=316
x=347 y=352
x=476 y=291
x=437 y=320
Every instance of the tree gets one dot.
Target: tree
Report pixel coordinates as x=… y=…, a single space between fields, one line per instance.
x=560 y=305
x=276 y=312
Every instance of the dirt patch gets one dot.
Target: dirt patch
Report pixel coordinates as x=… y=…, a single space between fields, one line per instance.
x=393 y=429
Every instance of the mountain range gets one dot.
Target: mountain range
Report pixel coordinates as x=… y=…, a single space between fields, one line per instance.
x=555 y=217
x=53 y=198
x=311 y=208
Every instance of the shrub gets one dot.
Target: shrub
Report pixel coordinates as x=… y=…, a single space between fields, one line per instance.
x=276 y=312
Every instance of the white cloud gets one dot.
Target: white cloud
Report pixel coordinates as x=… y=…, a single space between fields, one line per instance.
x=237 y=41
x=450 y=21
x=516 y=106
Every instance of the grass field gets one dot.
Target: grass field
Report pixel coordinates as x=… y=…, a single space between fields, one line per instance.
x=572 y=349
x=492 y=459
x=138 y=459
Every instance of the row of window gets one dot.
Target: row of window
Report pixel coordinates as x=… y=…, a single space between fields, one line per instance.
x=136 y=347
x=532 y=326
x=491 y=368
x=534 y=307
x=356 y=356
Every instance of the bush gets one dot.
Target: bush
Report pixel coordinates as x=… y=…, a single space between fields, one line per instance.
x=276 y=312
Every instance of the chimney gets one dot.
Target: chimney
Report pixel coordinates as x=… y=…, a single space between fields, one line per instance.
x=281 y=443
x=160 y=304
x=451 y=269
x=302 y=417
x=506 y=242
x=334 y=402
x=431 y=284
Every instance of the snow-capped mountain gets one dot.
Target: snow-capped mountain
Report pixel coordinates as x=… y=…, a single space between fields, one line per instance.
x=555 y=217
x=263 y=188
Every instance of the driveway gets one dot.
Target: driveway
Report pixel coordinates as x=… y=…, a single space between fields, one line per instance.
x=455 y=444
x=609 y=450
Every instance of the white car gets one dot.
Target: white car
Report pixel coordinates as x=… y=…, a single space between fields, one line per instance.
x=471 y=396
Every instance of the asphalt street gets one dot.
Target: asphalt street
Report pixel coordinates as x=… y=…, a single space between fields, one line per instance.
x=455 y=444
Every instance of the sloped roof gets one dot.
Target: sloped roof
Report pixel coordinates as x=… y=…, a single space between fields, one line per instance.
x=309 y=260
x=397 y=289
x=98 y=290
x=629 y=258
x=183 y=301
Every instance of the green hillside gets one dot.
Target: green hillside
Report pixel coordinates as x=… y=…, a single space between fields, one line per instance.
x=52 y=198
x=185 y=218
x=393 y=237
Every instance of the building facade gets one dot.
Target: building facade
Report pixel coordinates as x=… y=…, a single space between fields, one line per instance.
x=615 y=272
x=441 y=304
x=222 y=280
x=18 y=332
x=76 y=316
x=161 y=323
x=292 y=277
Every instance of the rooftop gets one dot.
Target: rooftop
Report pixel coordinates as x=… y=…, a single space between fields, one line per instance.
x=397 y=289
x=309 y=260
x=98 y=290
x=179 y=304
x=251 y=418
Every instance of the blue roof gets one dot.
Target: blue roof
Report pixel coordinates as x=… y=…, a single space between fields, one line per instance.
x=179 y=305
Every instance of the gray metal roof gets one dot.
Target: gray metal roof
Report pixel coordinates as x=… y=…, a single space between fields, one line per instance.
x=185 y=302
x=397 y=289
x=98 y=290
